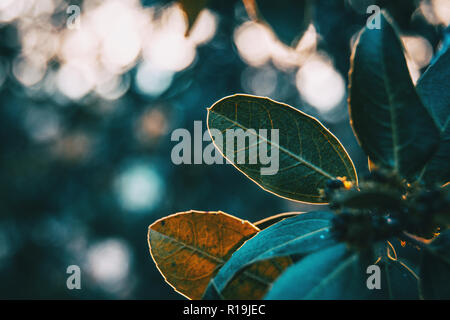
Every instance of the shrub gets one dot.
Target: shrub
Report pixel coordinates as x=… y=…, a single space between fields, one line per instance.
x=396 y=218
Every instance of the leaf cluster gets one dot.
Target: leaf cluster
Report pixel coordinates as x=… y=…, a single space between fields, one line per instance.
x=401 y=206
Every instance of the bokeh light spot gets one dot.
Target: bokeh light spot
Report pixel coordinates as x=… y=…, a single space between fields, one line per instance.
x=151 y=80
x=139 y=188
x=320 y=84
x=108 y=263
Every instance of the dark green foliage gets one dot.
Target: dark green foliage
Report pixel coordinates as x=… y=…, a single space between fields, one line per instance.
x=434 y=89
x=303 y=166
x=403 y=129
x=384 y=104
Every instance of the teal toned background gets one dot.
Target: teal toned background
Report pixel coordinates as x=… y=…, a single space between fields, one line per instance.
x=86 y=116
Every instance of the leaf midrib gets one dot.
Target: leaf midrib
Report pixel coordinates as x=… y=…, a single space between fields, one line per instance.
x=288 y=152
x=392 y=113
x=218 y=260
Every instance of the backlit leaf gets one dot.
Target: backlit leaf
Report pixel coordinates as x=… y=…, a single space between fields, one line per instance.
x=434 y=89
x=309 y=154
x=298 y=235
x=189 y=247
x=393 y=127
x=369 y=198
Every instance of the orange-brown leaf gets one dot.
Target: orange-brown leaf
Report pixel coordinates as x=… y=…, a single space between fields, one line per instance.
x=189 y=247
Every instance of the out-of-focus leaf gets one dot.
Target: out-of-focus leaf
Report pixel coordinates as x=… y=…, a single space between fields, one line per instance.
x=192 y=8
x=334 y=34
x=434 y=89
x=309 y=154
x=189 y=247
x=288 y=19
x=369 y=198
x=297 y=235
x=393 y=127
x=435 y=268
x=400 y=11
x=332 y=273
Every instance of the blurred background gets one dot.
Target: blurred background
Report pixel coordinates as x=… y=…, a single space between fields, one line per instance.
x=87 y=107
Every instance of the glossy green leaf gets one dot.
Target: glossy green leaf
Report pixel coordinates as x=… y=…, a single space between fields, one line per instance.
x=392 y=125
x=434 y=89
x=299 y=235
x=332 y=273
x=309 y=154
x=435 y=268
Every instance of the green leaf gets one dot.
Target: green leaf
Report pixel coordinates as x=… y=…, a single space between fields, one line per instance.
x=297 y=235
x=393 y=127
x=332 y=273
x=338 y=273
x=435 y=268
x=434 y=89
x=288 y=19
x=309 y=154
